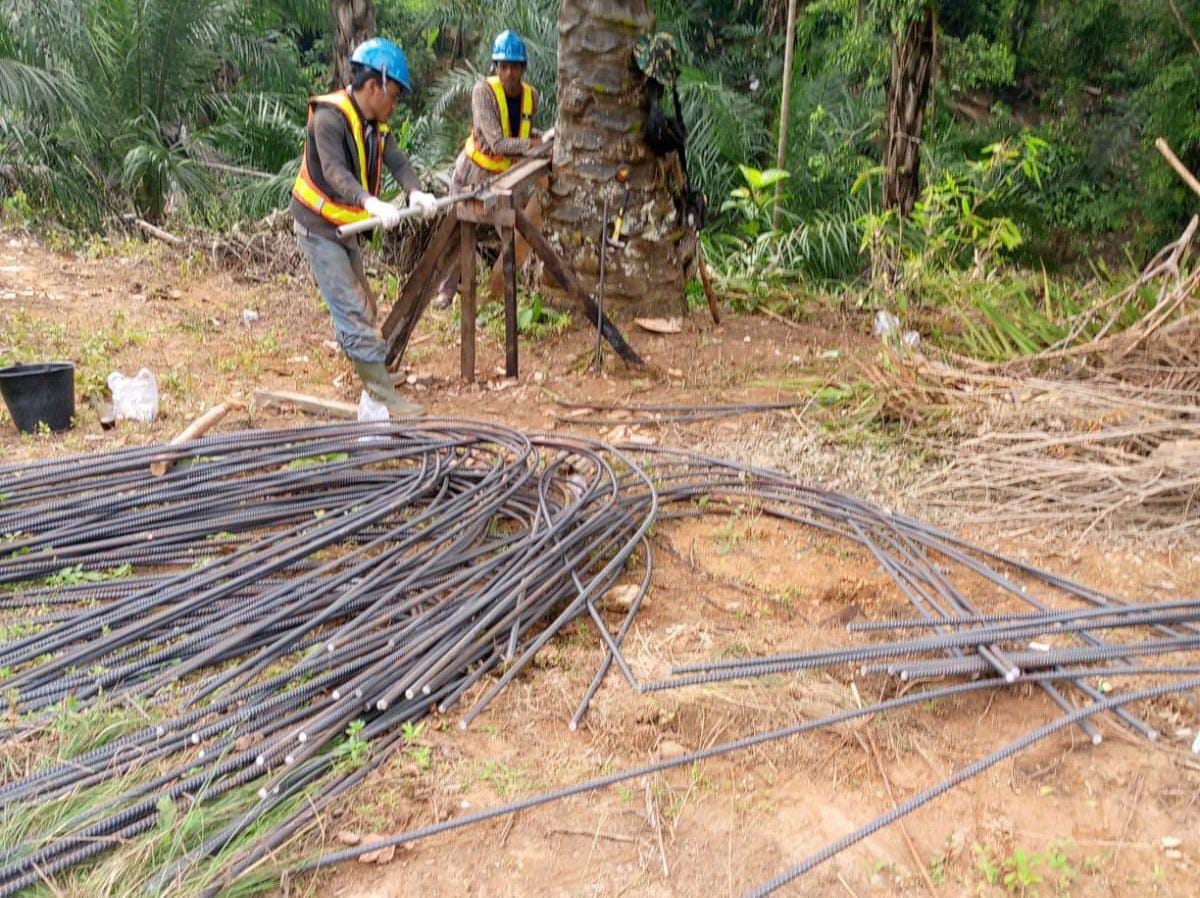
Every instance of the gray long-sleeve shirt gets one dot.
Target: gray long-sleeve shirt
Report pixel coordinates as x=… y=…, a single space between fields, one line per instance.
x=335 y=146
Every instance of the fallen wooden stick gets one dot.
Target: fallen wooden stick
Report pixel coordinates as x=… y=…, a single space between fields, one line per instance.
x=1180 y=169
x=196 y=429
x=706 y=283
x=787 y=322
x=314 y=405
x=156 y=232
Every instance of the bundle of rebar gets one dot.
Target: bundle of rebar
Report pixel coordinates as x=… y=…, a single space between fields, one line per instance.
x=282 y=603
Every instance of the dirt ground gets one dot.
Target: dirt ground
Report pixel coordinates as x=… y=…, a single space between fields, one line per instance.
x=1064 y=818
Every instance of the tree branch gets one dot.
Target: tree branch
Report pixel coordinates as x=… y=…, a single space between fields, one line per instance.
x=1187 y=29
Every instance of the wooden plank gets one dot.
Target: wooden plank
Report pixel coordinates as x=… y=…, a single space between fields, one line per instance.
x=423 y=271
x=402 y=319
x=510 y=301
x=533 y=211
x=193 y=431
x=314 y=405
x=500 y=217
x=516 y=177
x=562 y=273
x=480 y=209
x=466 y=290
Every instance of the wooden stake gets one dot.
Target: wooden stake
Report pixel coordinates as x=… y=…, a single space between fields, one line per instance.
x=510 y=301
x=466 y=292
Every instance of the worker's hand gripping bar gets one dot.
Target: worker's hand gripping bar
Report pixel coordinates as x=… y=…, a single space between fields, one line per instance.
x=370 y=224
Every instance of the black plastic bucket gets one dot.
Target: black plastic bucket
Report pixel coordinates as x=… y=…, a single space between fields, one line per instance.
x=39 y=394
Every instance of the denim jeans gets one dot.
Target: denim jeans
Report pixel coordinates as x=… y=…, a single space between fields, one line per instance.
x=338 y=269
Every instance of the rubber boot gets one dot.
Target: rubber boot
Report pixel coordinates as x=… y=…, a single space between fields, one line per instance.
x=378 y=384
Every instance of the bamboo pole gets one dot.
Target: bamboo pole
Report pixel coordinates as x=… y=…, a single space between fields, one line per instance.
x=785 y=104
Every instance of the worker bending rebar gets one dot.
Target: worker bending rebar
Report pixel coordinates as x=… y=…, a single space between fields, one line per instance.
x=347 y=145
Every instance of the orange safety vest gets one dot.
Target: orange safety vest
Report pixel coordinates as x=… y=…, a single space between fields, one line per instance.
x=487 y=161
x=313 y=192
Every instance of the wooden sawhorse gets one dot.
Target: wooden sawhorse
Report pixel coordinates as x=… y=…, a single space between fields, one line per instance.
x=496 y=207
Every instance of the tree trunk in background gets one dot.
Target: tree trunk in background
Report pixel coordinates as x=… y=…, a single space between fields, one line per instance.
x=908 y=91
x=353 y=23
x=602 y=108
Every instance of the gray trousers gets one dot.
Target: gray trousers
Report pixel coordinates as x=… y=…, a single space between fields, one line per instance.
x=342 y=280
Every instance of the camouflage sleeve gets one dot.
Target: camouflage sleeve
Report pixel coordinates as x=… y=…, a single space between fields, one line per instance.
x=485 y=115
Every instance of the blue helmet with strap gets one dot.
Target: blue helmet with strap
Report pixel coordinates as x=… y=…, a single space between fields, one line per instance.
x=508 y=47
x=383 y=56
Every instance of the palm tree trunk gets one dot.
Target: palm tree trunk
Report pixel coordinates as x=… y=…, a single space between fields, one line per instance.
x=908 y=91
x=353 y=23
x=602 y=109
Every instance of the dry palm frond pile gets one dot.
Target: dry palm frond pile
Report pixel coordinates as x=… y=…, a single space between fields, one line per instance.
x=1117 y=443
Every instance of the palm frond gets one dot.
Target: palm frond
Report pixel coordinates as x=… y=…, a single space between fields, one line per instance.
x=24 y=85
x=725 y=128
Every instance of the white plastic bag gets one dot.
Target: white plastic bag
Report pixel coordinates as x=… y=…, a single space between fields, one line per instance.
x=886 y=324
x=135 y=398
x=371 y=410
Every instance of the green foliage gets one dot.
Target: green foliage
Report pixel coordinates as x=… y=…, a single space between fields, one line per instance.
x=959 y=220
x=76 y=575
x=353 y=750
x=1022 y=872
x=535 y=319
x=109 y=106
x=145 y=92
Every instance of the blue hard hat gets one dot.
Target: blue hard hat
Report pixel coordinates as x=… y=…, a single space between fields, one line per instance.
x=508 y=47
x=383 y=56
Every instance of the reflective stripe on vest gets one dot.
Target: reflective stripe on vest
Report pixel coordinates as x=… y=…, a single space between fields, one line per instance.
x=306 y=190
x=487 y=161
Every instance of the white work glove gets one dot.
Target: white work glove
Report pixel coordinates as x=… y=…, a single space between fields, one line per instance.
x=385 y=212
x=426 y=203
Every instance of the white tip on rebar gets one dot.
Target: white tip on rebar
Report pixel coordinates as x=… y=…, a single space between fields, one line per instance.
x=409 y=694
x=195 y=738
x=160 y=731
x=201 y=755
x=302 y=737
x=425 y=690
x=1097 y=739
x=329 y=647
x=572 y=726
x=381 y=705
x=289 y=759
x=336 y=695
x=462 y=724
x=261 y=761
x=904 y=676
x=262 y=794
x=1013 y=675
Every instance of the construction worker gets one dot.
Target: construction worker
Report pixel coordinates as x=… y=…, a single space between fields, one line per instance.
x=347 y=144
x=502 y=111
